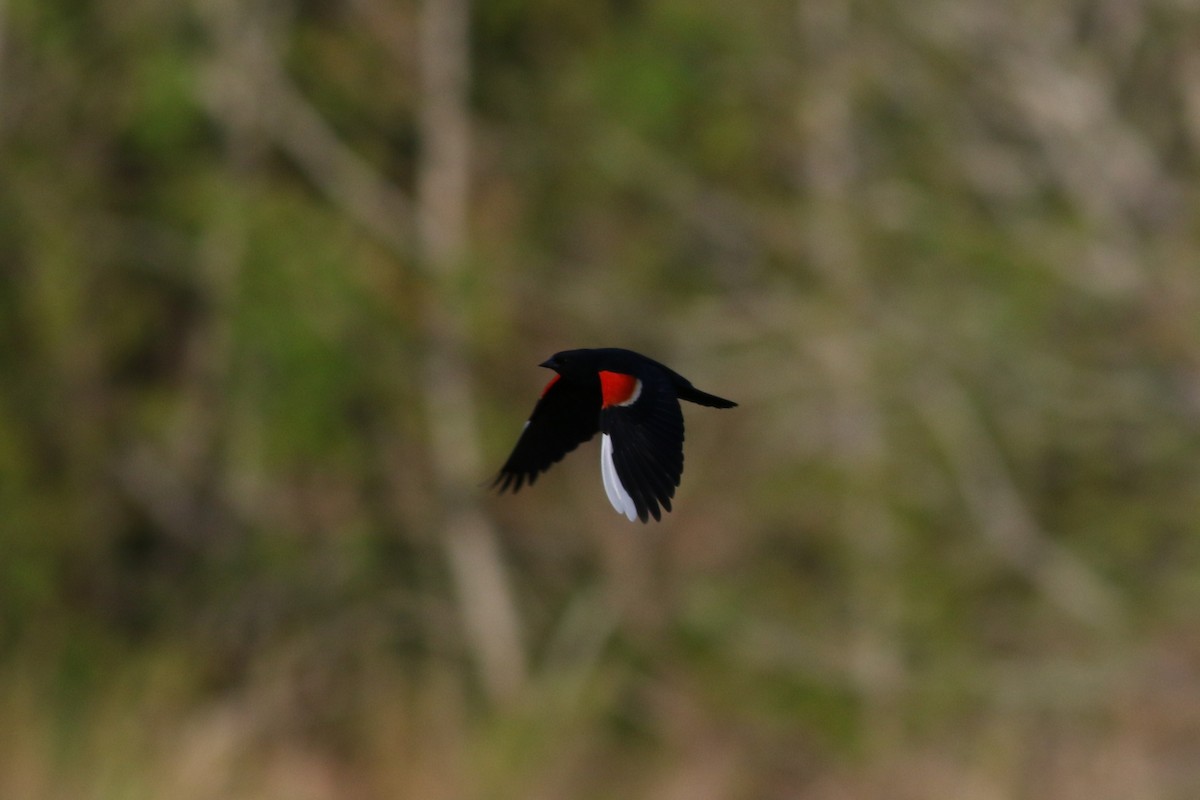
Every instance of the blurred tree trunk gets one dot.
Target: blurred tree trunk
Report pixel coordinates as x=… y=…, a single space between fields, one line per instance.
x=476 y=565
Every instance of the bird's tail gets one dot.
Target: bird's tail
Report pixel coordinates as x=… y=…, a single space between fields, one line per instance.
x=694 y=395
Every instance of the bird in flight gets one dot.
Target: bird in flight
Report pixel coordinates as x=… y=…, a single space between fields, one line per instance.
x=633 y=402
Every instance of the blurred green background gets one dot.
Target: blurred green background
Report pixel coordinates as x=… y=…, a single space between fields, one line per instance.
x=274 y=281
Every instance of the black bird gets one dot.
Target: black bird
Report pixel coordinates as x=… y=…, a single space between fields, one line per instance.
x=633 y=401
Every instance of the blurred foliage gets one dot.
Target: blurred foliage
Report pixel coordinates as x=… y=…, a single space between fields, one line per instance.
x=944 y=256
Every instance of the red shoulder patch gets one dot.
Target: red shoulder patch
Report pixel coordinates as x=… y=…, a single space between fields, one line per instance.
x=553 y=381
x=618 y=389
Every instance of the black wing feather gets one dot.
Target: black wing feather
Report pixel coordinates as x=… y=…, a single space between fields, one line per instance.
x=637 y=483
x=567 y=415
x=647 y=440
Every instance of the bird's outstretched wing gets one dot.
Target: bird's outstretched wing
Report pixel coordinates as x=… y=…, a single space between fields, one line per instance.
x=641 y=454
x=567 y=415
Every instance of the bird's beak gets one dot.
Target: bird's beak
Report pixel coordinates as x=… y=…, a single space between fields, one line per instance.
x=547 y=364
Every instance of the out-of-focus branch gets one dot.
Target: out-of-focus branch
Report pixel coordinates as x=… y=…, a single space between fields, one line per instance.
x=1106 y=167
x=1189 y=66
x=248 y=65
x=346 y=178
x=1003 y=517
x=3 y=42
x=736 y=227
x=489 y=613
x=869 y=528
x=180 y=483
x=247 y=89
x=828 y=169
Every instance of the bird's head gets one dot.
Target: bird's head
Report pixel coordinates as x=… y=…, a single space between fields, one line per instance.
x=568 y=363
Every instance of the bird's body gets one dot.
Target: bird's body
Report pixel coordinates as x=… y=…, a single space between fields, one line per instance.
x=633 y=402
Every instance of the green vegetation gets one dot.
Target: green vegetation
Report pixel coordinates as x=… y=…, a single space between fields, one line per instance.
x=273 y=288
